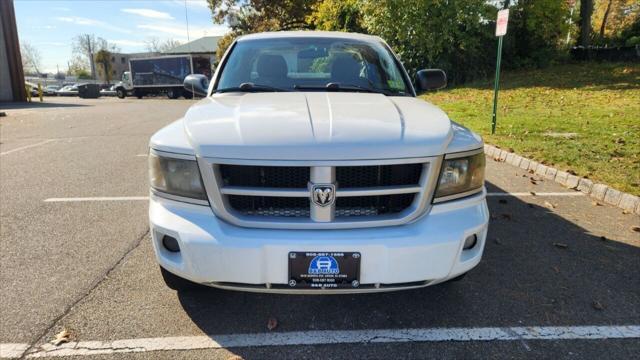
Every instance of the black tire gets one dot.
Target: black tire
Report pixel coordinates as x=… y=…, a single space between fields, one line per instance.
x=121 y=93
x=138 y=93
x=455 y=279
x=173 y=93
x=174 y=282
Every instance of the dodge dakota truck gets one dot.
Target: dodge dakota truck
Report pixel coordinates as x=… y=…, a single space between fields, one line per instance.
x=311 y=167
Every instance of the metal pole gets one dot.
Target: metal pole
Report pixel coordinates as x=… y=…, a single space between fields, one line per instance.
x=495 y=87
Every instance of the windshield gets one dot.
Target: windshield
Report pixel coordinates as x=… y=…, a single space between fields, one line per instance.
x=312 y=64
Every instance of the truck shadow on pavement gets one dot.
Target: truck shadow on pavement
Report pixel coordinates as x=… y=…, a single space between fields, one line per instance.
x=538 y=269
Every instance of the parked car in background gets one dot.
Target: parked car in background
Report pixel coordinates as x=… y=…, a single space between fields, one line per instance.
x=111 y=91
x=69 y=90
x=51 y=90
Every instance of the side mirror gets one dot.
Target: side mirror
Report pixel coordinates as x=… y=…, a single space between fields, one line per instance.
x=431 y=79
x=197 y=84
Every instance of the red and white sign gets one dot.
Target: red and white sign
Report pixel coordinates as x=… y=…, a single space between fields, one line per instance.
x=501 y=23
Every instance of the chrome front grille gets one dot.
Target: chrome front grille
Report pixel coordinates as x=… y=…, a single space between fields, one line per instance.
x=277 y=194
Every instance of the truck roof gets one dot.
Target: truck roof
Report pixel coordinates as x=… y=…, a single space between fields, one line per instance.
x=316 y=34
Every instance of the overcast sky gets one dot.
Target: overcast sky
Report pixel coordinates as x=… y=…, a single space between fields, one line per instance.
x=50 y=25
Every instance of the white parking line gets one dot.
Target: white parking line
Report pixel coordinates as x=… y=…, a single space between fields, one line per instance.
x=26 y=147
x=141 y=155
x=182 y=343
x=573 y=193
x=102 y=198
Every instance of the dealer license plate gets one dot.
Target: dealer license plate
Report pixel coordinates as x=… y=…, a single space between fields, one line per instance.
x=324 y=270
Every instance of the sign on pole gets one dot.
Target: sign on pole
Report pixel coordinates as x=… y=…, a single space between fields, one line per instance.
x=501 y=30
x=501 y=23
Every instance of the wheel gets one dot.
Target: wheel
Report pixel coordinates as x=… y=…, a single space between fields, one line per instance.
x=121 y=93
x=139 y=94
x=174 y=282
x=173 y=93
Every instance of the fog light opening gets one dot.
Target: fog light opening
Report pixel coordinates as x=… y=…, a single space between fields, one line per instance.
x=170 y=243
x=470 y=242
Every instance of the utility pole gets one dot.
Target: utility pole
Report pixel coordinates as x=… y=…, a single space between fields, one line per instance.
x=90 y=49
x=501 y=30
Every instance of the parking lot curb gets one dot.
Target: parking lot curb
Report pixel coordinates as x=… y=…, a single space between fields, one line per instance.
x=601 y=192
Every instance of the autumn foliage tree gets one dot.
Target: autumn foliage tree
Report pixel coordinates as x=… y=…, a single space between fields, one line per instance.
x=103 y=59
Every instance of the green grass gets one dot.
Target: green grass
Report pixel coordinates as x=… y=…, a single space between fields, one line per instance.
x=593 y=109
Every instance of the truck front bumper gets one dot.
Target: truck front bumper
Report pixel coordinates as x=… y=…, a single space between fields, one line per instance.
x=421 y=253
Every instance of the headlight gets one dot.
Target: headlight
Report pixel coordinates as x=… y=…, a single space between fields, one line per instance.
x=174 y=176
x=460 y=176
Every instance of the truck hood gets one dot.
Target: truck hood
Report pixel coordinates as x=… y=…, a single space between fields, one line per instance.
x=316 y=126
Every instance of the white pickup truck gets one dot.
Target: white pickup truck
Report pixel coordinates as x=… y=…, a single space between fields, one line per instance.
x=312 y=167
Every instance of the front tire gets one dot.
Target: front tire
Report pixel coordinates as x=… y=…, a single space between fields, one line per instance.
x=174 y=282
x=121 y=93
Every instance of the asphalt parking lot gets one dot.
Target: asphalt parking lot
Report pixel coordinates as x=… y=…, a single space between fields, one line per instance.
x=554 y=264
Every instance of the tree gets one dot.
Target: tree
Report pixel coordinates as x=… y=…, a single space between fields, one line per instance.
x=223 y=44
x=31 y=59
x=453 y=35
x=78 y=64
x=245 y=16
x=536 y=31
x=87 y=45
x=337 y=15
x=103 y=58
x=83 y=74
x=155 y=45
x=607 y=11
x=586 y=10
x=613 y=18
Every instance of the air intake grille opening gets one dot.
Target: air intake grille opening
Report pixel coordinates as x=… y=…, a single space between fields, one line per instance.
x=265 y=176
x=270 y=206
x=372 y=205
x=371 y=176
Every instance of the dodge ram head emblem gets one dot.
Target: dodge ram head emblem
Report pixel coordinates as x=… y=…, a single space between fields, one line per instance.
x=323 y=195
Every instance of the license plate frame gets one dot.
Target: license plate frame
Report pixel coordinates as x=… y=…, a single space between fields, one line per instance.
x=324 y=269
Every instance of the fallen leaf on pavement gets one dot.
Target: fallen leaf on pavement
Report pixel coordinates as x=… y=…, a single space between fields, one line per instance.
x=597 y=305
x=556 y=269
x=533 y=182
x=595 y=203
x=61 y=337
x=549 y=205
x=635 y=228
x=561 y=245
x=272 y=323
x=532 y=193
x=626 y=212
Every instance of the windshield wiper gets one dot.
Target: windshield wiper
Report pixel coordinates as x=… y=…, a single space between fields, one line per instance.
x=334 y=86
x=250 y=87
